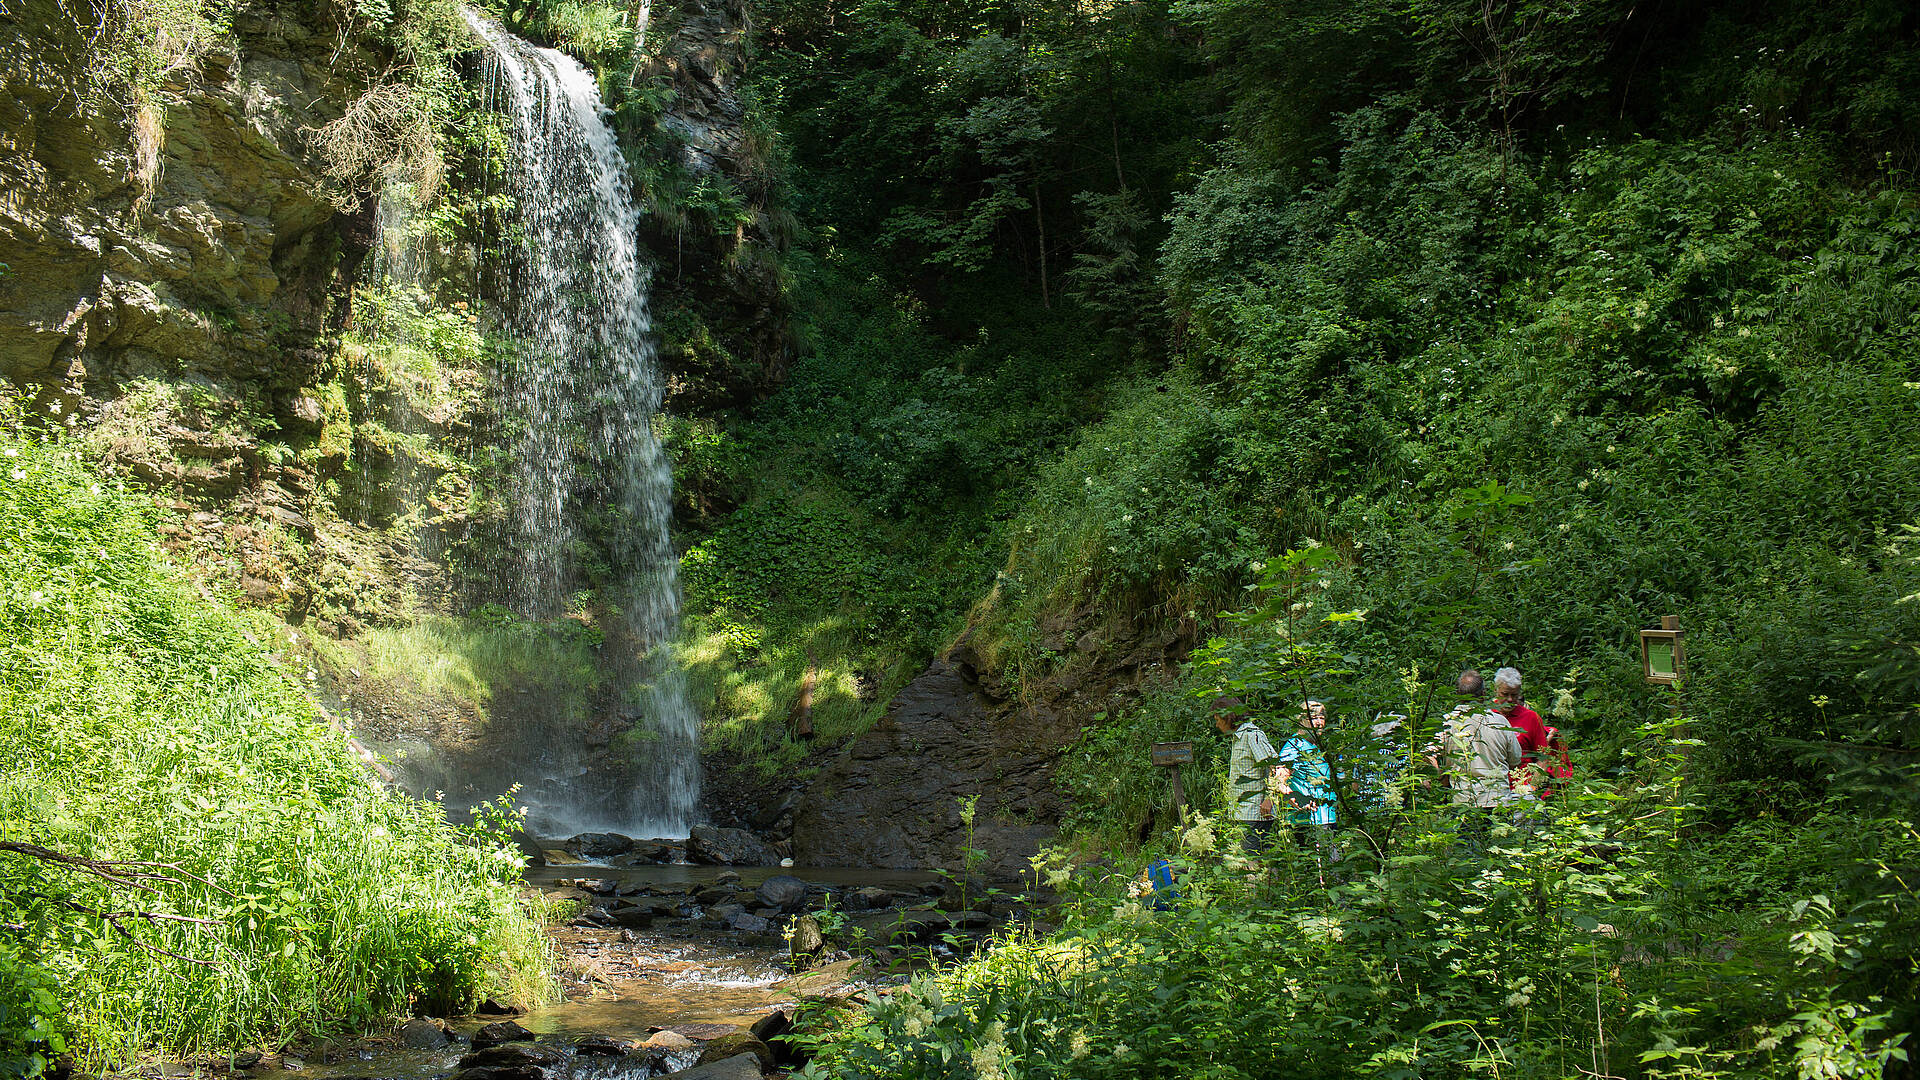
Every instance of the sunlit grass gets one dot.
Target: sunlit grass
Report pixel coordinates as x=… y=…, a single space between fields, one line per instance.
x=463 y=660
x=143 y=722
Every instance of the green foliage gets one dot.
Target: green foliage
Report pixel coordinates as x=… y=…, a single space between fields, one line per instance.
x=965 y=137
x=1148 y=508
x=868 y=491
x=146 y=723
x=33 y=1028
x=138 y=44
x=1115 y=794
x=465 y=660
x=1585 y=936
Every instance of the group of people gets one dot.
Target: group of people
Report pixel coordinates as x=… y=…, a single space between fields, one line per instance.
x=1493 y=752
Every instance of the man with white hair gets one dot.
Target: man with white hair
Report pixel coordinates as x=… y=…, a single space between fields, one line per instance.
x=1526 y=724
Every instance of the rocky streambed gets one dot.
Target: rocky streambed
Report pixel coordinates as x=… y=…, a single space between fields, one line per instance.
x=673 y=968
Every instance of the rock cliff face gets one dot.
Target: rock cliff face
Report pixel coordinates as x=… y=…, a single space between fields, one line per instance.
x=892 y=797
x=724 y=319
x=224 y=269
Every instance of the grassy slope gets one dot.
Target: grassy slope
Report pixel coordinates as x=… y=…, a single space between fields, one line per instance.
x=148 y=722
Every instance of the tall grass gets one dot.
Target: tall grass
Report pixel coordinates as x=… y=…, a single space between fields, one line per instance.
x=463 y=660
x=144 y=722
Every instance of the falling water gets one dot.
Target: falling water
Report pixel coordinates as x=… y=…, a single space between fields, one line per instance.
x=578 y=396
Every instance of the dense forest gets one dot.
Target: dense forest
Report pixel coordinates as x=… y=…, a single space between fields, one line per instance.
x=1332 y=347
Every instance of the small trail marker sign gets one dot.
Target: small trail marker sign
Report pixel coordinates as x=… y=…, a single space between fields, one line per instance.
x=1172 y=753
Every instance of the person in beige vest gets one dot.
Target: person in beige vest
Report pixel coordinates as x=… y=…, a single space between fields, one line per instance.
x=1476 y=749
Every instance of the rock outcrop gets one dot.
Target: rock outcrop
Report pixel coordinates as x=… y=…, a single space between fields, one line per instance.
x=221 y=264
x=722 y=314
x=173 y=269
x=892 y=798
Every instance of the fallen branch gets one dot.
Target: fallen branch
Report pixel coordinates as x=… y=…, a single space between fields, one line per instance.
x=125 y=873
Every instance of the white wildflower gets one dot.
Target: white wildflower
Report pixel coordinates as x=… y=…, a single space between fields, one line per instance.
x=1200 y=838
x=19 y=474
x=1562 y=703
x=1078 y=1047
x=988 y=1053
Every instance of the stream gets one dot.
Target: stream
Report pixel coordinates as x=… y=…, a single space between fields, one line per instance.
x=700 y=980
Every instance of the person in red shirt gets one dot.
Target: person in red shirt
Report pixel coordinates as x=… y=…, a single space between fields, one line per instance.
x=1526 y=724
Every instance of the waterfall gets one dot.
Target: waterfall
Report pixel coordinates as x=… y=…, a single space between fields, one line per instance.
x=577 y=396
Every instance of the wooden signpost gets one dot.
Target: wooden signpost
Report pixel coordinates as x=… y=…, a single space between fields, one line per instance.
x=1170 y=756
x=1663 y=660
x=1663 y=652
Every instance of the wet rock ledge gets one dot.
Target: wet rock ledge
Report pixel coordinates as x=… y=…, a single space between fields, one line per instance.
x=888 y=925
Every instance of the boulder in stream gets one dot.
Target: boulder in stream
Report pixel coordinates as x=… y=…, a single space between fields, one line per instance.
x=727 y=1046
x=750 y=924
x=515 y=1061
x=668 y=1041
x=772 y=1026
x=602 y=1046
x=729 y=847
x=783 y=891
x=724 y=913
x=633 y=917
x=807 y=938
x=420 y=1033
x=498 y=1034
x=738 y=1067
x=644 y=851
x=599 y=845
x=517 y=1055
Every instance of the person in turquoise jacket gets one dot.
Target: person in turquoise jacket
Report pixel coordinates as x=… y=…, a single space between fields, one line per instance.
x=1312 y=808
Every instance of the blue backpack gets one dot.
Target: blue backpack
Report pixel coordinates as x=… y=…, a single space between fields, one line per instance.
x=1166 y=893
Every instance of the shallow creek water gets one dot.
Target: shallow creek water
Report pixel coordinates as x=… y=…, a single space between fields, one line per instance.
x=678 y=974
